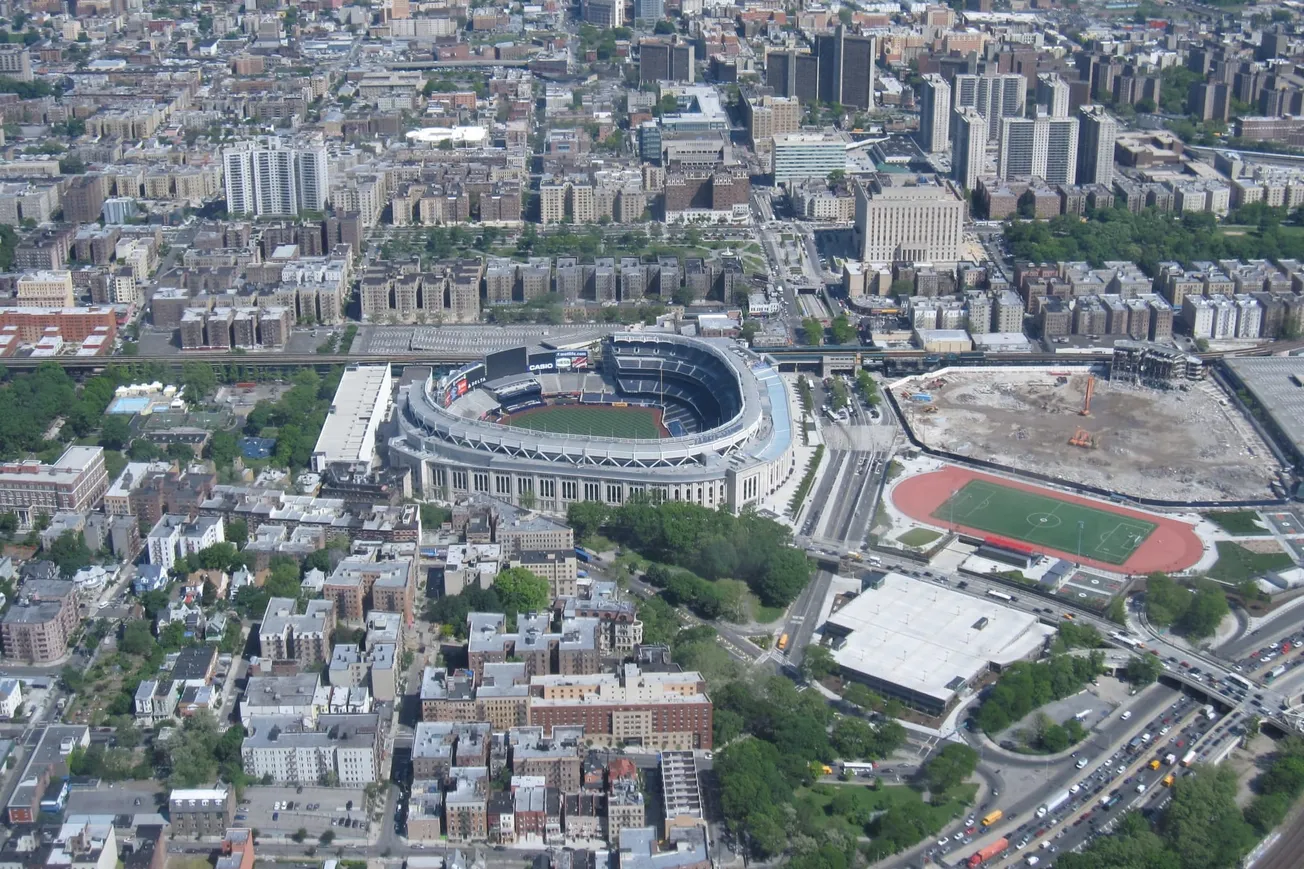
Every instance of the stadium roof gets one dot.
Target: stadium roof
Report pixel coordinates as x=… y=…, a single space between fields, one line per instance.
x=922 y=637
x=762 y=414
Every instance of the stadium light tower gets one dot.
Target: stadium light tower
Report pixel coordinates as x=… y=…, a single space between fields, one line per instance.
x=1081 y=524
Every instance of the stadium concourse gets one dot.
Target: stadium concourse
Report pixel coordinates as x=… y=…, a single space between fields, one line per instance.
x=1079 y=529
x=699 y=420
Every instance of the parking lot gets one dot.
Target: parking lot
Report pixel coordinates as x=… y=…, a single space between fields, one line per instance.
x=314 y=809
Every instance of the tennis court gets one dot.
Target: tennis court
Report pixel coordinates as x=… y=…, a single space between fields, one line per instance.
x=1041 y=520
x=605 y=422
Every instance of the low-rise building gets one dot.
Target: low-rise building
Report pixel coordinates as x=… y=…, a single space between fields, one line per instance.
x=201 y=812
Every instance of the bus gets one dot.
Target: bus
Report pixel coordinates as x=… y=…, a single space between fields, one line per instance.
x=1124 y=639
x=992 y=818
x=783 y=643
x=858 y=768
x=1240 y=680
x=1000 y=594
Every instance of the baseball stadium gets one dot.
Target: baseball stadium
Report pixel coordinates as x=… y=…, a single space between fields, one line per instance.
x=638 y=414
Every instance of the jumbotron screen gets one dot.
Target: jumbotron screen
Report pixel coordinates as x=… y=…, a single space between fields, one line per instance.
x=507 y=362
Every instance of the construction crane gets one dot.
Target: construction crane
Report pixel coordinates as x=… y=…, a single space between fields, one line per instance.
x=1091 y=388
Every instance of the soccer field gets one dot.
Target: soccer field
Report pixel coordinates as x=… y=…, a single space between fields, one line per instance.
x=1041 y=520
x=605 y=422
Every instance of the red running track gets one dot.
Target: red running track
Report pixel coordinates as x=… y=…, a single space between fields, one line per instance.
x=1171 y=547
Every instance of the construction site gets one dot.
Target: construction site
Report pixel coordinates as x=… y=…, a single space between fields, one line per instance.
x=1187 y=443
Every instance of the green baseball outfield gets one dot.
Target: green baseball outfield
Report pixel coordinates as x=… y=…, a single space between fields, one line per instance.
x=593 y=420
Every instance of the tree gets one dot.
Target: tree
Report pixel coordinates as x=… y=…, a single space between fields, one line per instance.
x=522 y=591
x=433 y=516
x=72 y=165
x=115 y=432
x=950 y=766
x=843 y=331
x=812 y=331
x=70 y=552
x=1203 y=824
x=586 y=517
x=902 y=287
x=1166 y=601
x=845 y=16
x=142 y=450
x=1143 y=669
x=137 y=638
x=753 y=792
x=223 y=449
x=1207 y=608
x=858 y=695
x=180 y=453
x=817 y=662
x=836 y=177
x=237 y=531
x=664 y=27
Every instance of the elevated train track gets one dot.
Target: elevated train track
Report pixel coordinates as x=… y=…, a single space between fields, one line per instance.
x=787 y=357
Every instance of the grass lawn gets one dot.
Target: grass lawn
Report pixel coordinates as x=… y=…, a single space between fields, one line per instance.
x=1235 y=562
x=918 y=537
x=1238 y=521
x=1245 y=229
x=596 y=421
x=867 y=800
x=765 y=615
x=1042 y=520
x=598 y=543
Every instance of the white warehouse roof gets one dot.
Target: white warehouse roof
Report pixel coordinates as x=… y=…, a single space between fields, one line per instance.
x=922 y=636
x=359 y=406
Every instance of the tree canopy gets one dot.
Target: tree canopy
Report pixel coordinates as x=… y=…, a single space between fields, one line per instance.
x=1147 y=239
x=522 y=591
x=715 y=544
x=1028 y=685
x=1193 y=612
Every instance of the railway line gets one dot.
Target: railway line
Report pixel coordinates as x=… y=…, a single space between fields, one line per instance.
x=795 y=354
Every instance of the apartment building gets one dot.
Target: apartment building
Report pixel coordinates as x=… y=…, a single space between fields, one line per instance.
x=501 y=696
x=572 y=650
x=306 y=638
x=439 y=746
x=558 y=566
x=75 y=482
x=36 y=628
x=656 y=710
x=358 y=585
x=45 y=289
x=345 y=748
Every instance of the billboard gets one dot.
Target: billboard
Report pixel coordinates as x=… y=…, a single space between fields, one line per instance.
x=506 y=362
x=543 y=363
x=572 y=360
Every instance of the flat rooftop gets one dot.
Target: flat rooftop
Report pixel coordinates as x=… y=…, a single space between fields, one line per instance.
x=1277 y=384
x=922 y=637
x=349 y=434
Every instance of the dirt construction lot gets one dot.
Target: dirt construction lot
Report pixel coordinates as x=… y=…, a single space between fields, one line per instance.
x=1175 y=445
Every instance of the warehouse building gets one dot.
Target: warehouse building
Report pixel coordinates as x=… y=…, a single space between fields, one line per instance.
x=924 y=644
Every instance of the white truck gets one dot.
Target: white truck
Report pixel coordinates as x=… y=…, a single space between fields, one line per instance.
x=1051 y=805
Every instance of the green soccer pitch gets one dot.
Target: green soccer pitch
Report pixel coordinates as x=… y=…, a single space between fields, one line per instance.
x=595 y=421
x=1045 y=521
